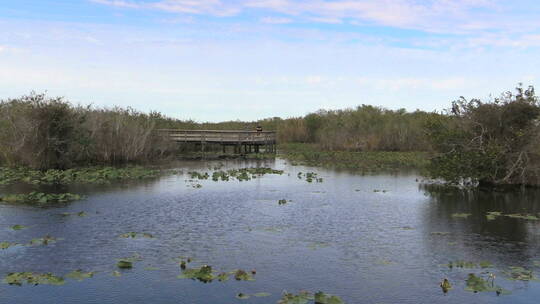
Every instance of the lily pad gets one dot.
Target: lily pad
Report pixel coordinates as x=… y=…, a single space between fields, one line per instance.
x=127 y=263
x=223 y=277
x=301 y=298
x=79 y=275
x=18 y=227
x=203 y=274
x=19 y=278
x=123 y=264
x=520 y=274
x=46 y=240
x=478 y=284
x=6 y=245
x=242 y=296
x=493 y=215
x=241 y=275
x=445 y=285
x=441 y=233
x=523 y=216
x=322 y=298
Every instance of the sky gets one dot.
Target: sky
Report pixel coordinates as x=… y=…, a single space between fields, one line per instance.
x=216 y=60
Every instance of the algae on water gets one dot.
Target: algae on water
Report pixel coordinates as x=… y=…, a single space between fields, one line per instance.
x=39 y=198
x=20 y=278
x=79 y=275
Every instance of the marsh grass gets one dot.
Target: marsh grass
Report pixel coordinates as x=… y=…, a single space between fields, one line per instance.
x=370 y=161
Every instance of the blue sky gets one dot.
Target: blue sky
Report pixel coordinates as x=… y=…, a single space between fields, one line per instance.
x=213 y=60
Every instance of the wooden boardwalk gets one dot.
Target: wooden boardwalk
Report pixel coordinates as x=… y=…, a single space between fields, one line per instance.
x=250 y=141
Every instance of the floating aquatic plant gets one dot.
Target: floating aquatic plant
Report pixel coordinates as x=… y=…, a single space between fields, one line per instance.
x=441 y=233
x=493 y=215
x=203 y=274
x=461 y=215
x=520 y=274
x=19 y=278
x=79 y=275
x=242 y=296
x=127 y=263
x=322 y=298
x=136 y=235
x=523 y=216
x=124 y=264
x=18 y=227
x=241 y=275
x=303 y=297
x=6 y=245
x=46 y=240
x=39 y=198
x=445 y=285
x=223 y=277
x=476 y=283
x=243 y=174
x=98 y=175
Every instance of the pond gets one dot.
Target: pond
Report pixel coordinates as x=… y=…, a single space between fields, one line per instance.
x=384 y=238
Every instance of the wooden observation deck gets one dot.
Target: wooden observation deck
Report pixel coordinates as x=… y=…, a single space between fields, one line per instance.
x=251 y=141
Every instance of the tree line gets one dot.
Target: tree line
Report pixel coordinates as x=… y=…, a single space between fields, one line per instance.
x=474 y=141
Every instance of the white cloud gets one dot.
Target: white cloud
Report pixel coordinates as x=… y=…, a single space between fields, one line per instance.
x=276 y=20
x=441 y=16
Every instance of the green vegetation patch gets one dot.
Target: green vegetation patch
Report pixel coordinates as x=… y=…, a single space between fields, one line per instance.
x=203 y=274
x=366 y=161
x=127 y=263
x=490 y=216
x=530 y=217
x=18 y=227
x=243 y=174
x=39 y=198
x=242 y=296
x=6 y=245
x=322 y=298
x=310 y=177
x=520 y=274
x=20 y=278
x=134 y=235
x=304 y=297
x=469 y=265
x=46 y=240
x=242 y=275
x=476 y=283
x=461 y=215
x=94 y=175
x=79 y=275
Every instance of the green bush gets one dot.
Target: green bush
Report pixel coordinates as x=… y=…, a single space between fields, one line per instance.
x=488 y=143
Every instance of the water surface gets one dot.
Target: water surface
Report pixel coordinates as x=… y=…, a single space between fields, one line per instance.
x=339 y=236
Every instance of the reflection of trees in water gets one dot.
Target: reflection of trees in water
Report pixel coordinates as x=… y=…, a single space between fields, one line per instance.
x=505 y=239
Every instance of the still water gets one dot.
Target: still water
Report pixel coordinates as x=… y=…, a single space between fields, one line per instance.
x=339 y=236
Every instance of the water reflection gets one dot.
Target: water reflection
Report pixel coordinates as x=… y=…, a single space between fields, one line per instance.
x=340 y=236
